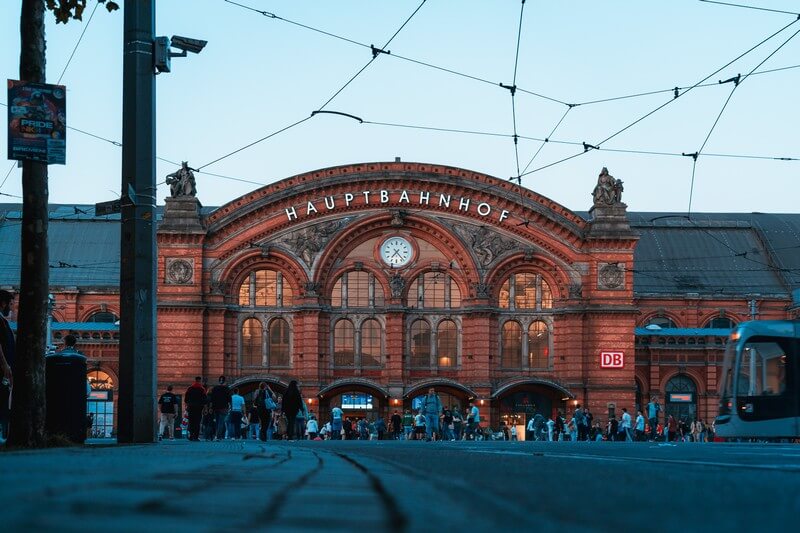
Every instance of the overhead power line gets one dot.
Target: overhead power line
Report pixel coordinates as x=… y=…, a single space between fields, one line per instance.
x=751 y=7
x=375 y=53
x=75 y=49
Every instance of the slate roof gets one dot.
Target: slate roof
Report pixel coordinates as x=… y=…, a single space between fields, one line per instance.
x=709 y=254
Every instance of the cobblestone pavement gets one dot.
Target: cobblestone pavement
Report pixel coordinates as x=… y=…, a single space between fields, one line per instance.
x=400 y=486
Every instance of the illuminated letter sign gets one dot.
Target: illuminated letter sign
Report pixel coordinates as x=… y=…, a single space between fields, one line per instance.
x=612 y=359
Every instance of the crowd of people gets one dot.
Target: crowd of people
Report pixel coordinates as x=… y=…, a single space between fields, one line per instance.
x=222 y=413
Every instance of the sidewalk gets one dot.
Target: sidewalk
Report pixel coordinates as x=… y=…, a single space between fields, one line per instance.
x=223 y=486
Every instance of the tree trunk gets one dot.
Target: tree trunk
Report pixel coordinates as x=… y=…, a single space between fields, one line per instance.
x=28 y=404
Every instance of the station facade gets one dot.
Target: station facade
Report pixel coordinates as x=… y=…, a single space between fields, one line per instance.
x=370 y=283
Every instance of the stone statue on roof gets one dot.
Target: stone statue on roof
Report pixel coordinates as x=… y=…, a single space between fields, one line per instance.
x=608 y=190
x=181 y=182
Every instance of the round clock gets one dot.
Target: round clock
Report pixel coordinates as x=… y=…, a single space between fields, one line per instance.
x=396 y=251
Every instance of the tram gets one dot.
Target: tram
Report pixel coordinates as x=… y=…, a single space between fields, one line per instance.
x=760 y=382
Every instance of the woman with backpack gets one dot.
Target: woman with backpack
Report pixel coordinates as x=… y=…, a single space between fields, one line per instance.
x=265 y=404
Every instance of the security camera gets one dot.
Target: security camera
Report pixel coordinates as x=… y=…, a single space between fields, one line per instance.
x=163 y=54
x=187 y=44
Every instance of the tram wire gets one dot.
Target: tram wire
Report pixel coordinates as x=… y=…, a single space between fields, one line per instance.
x=375 y=53
x=737 y=80
x=77 y=44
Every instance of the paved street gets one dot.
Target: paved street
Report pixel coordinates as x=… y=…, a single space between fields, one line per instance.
x=402 y=486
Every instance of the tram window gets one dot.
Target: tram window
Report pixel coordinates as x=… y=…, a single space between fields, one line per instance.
x=762 y=371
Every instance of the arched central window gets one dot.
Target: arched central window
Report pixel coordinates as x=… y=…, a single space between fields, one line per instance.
x=371 y=343
x=420 y=344
x=344 y=342
x=446 y=344
x=278 y=349
x=511 y=349
x=538 y=345
x=252 y=334
x=432 y=290
x=357 y=289
x=525 y=291
x=265 y=288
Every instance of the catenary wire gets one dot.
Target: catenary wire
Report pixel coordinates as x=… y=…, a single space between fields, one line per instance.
x=618 y=132
x=335 y=94
x=738 y=80
x=75 y=49
x=750 y=7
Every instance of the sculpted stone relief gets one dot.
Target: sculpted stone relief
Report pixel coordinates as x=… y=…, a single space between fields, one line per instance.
x=307 y=242
x=487 y=245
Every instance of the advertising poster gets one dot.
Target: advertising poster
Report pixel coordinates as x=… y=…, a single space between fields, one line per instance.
x=37 y=122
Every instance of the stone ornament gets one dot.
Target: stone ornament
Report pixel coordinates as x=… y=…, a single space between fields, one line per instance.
x=179 y=272
x=608 y=190
x=306 y=243
x=610 y=276
x=181 y=182
x=487 y=245
x=397 y=284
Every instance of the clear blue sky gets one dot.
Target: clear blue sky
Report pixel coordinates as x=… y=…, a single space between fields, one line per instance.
x=258 y=75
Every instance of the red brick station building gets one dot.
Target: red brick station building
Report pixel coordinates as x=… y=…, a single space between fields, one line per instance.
x=370 y=283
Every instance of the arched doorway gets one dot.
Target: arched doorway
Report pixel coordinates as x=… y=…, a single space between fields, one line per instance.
x=357 y=398
x=681 y=398
x=248 y=385
x=100 y=404
x=516 y=403
x=453 y=395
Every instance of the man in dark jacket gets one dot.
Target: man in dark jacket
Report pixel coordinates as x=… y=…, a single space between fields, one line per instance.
x=221 y=403
x=195 y=399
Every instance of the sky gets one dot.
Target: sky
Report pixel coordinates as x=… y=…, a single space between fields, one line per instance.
x=259 y=74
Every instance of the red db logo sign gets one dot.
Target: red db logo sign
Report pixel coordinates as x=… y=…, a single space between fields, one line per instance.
x=612 y=360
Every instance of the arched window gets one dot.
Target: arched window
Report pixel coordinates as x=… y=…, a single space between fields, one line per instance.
x=103 y=316
x=265 y=288
x=720 y=322
x=344 y=341
x=538 y=345
x=660 y=322
x=357 y=289
x=100 y=404
x=681 y=398
x=370 y=343
x=525 y=291
x=432 y=290
x=447 y=344
x=278 y=349
x=420 y=344
x=252 y=334
x=511 y=349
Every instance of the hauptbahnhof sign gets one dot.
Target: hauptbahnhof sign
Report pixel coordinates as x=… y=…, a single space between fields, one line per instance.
x=384 y=197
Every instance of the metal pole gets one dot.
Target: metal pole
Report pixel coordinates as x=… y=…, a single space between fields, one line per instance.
x=137 y=345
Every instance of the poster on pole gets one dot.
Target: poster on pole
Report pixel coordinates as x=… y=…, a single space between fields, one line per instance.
x=37 y=122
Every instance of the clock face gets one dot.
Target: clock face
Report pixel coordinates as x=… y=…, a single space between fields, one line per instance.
x=396 y=251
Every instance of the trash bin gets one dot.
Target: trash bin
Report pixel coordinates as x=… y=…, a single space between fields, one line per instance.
x=65 y=373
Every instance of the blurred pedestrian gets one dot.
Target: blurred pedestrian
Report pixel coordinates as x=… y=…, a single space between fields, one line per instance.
x=396 y=424
x=639 y=431
x=221 y=403
x=292 y=404
x=195 y=399
x=265 y=403
x=7 y=354
x=408 y=424
x=336 y=423
x=237 y=414
x=432 y=408
x=626 y=425
x=312 y=427
x=168 y=404
x=653 y=408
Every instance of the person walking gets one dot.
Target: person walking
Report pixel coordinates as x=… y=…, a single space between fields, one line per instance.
x=653 y=408
x=639 y=433
x=432 y=408
x=265 y=403
x=195 y=399
x=237 y=413
x=396 y=424
x=221 y=403
x=473 y=421
x=292 y=404
x=458 y=424
x=312 y=427
x=7 y=354
x=168 y=404
x=408 y=424
x=626 y=425
x=672 y=428
x=336 y=423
